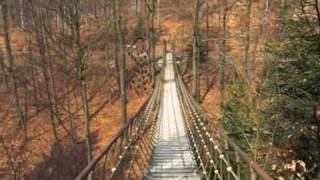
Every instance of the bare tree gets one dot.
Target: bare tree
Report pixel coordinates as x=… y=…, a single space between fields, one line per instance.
x=80 y=59
x=196 y=51
x=22 y=22
x=150 y=11
x=248 y=63
x=13 y=82
x=121 y=58
x=158 y=14
x=223 y=9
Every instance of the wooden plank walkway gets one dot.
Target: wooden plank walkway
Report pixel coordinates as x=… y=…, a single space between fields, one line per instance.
x=172 y=157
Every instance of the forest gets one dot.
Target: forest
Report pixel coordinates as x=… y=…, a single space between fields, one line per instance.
x=108 y=89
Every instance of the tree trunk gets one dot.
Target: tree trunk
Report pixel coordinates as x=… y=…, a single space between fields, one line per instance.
x=222 y=50
x=51 y=84
x=120 y=44
x=13 y=85
x=317 y=109
x=207 y=48
x=43 y=44
x=153 y=52
x=196 y=53
x=3 y=70
x=62 y=31
x=158 y=13
x=80 y=61
x=21 y=14
x=150 y=7
x=248 y=62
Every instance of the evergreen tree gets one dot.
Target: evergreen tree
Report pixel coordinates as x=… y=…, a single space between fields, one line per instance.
x=294 y=83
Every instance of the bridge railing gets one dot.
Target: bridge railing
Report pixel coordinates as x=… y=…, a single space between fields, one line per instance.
x=128 y=154
x=216 y=154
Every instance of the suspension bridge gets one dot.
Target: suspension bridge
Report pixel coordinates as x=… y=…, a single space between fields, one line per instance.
x=172 y=138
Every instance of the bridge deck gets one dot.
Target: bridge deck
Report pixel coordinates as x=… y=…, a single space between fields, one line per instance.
x=172 y=157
